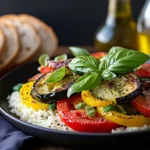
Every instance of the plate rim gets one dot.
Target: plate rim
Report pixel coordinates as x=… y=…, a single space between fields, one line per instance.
x=4 y=113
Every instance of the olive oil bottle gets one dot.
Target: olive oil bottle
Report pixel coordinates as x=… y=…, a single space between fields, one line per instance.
x=144 y=28
x=119 y=28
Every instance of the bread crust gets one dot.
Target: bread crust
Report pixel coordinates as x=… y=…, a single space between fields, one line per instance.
x=10 y=52
x=27 y=31
x=27 y=50
x=42 y=28
x=2 y=42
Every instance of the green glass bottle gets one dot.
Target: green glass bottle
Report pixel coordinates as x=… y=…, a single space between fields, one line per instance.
x=144 y=28
x=119 y=28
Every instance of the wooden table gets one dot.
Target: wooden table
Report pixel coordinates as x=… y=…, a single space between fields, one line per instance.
x=38 y=144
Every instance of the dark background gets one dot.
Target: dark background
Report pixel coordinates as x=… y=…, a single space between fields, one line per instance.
x=74 y=21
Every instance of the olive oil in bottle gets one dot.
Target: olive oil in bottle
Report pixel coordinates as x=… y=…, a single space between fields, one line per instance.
x=119 y=28
x=144 y=28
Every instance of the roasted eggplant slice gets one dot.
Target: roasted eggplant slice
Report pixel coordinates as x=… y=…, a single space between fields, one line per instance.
x=130 y=109
x=145 y=86
x=123 y=89
x=51 y=92
x=145 y=83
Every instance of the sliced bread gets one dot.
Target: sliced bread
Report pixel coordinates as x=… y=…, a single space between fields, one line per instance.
x=49 y=40
x=2 y=42
x=11 y=47
x=29 y=39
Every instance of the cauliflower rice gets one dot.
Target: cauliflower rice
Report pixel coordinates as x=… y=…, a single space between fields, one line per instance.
x=48 y=119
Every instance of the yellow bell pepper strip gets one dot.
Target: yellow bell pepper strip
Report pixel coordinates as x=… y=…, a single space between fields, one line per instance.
x=90 y=100
x=123 y=119
x=28 y=100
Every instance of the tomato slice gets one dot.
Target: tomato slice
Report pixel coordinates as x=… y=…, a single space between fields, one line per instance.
x=45 y=70
x=142 y=105
x=79 y=121
x=99 y=55
x=144 y=71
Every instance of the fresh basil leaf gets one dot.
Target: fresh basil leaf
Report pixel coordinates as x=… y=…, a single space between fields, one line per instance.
x=121 y=109
x=52 y=107
x=43 y=59
x=17 y=87
x=108 y=75
x=118 y=61
x=84 y=64
x=57 y=75
x=102 y=65
x=78 y=72
x=82 y=77
x=77 y=51
x=80 y=105
x=61 y=57
x=139 y=67
x=109 y=108
x=84 y=83
x=125 y=60
x=90 y=111
x=115 y=49
x=117 y=108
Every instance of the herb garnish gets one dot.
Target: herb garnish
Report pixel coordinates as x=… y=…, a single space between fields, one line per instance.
x=118 y=61
x=57 y=75
x=90 y=111
x=80 y=105
x=17 y=87
x=61 y=57
x=77 y=51
x=109 y=108
x=52 y=107
x=43 y=59
x=116 y=107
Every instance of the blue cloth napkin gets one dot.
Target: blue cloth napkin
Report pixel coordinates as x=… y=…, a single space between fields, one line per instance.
x=10 y=137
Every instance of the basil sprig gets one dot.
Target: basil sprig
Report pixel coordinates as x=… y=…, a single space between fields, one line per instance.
x=57 y=75
x=118 y=61
x=108 y=75
x=84 y=64
x=121 y=60
x=90 y=111
x=117 y=108
x=109 y=108
x=61 y=57
x=80 y=105
x=43 y=59
x=83 y=83
x=17 y=87
x=77 y=51
x=52 y=107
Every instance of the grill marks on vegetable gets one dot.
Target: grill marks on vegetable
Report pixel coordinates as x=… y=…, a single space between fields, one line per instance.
x=123 y=89
x=51 y=92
